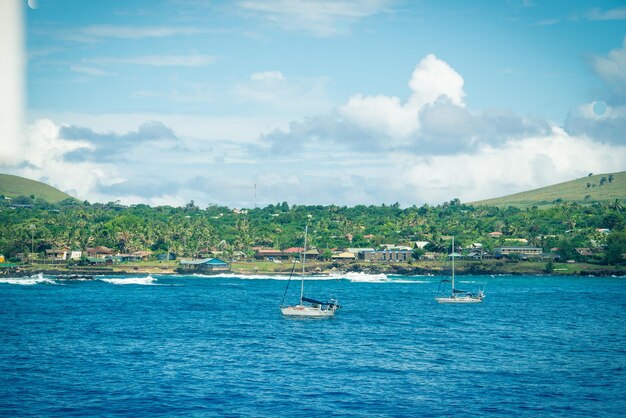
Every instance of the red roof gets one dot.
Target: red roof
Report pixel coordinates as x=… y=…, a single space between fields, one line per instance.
x=294 y=250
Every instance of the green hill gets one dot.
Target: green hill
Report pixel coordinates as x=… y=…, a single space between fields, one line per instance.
x=585 y=190
x=13 y=186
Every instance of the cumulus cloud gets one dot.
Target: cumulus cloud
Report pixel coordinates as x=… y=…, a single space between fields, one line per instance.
x=44 y=160
x=597 y=120
x=433 y=120
x=109 y=146
x=432 y=80
x=515 y=166
x=612 y=69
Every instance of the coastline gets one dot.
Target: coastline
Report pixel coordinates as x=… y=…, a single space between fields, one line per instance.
x=247 y=268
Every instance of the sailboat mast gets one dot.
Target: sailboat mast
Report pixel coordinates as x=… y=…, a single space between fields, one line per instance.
x=306 y=230
x=453 y=256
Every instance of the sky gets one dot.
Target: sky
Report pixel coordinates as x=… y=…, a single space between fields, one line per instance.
x=255 y=102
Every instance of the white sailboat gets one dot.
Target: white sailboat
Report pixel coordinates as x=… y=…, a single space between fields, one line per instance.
x=308 y=307
x=456 y=295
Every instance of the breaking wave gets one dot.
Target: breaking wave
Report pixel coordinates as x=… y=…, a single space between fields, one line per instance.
x=146 y=281
x=350 y=276
x=27 y=281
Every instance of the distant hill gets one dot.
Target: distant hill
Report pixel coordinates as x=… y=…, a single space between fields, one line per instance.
x=13 y=186
x=585 y=190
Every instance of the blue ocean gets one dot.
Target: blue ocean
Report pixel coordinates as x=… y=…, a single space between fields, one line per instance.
x=219 y=346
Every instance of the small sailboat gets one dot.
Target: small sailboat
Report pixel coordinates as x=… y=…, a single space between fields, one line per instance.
x=308 y=307
x=456 y=295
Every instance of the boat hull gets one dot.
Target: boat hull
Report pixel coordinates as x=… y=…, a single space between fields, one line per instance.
x=307 y=311
x=463 y=299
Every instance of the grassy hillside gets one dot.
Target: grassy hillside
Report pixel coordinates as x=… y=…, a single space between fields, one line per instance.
x=13 y=186
x=584 y=190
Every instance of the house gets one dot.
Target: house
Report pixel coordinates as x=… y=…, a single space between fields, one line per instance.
x=2 y=260
x=312 y=254
x=57 y=254
x=97 y=261
x=99 y=252
x=388 y=256
x=344 y=256
x=75 y=254
x=207 y=265
x=368 y=236
x=523 y=251
x=135 y=256
x=357 y=251
x=143 y=255
x=271 y=254
x=349 y=237
x=479 y=254
x=495 y=234
x=294 y=250
x=395 y=247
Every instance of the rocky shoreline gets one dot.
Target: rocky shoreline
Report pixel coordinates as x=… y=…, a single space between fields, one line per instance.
x=400 y=269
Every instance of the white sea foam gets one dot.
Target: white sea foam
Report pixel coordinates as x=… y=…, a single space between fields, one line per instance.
x=27 y=281
x=149 y=280
x=359 y=277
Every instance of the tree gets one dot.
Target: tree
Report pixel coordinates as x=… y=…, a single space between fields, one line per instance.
x=417 y=253
x=566 y=250
x=615 y=247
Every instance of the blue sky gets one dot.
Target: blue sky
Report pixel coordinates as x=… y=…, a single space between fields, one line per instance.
x=345 y=102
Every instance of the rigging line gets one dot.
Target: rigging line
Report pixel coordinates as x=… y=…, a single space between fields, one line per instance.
x=288 y=281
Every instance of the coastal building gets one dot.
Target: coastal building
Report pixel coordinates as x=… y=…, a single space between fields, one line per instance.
x=521 y=251
x=58 y=254
x=208 y=265
x=345 y=255
x=99 y=252
x=62 y=254
x=271 y=254
x=387 y=256
x=312 y=254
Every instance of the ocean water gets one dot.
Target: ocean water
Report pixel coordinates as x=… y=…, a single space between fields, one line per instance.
x=214 y=346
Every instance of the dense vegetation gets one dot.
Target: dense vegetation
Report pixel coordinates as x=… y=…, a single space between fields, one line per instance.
x=189 y=231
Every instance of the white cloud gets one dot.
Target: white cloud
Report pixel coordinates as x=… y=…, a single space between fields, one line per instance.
x=321 y=18
x=44 y=152
x=516 y=166
x=293 y=97
x=383 y=114
x=613 y=14
x=432 y=80
x=267 y=76
x=96 y=33
x=192 y=60
x=612 y=69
